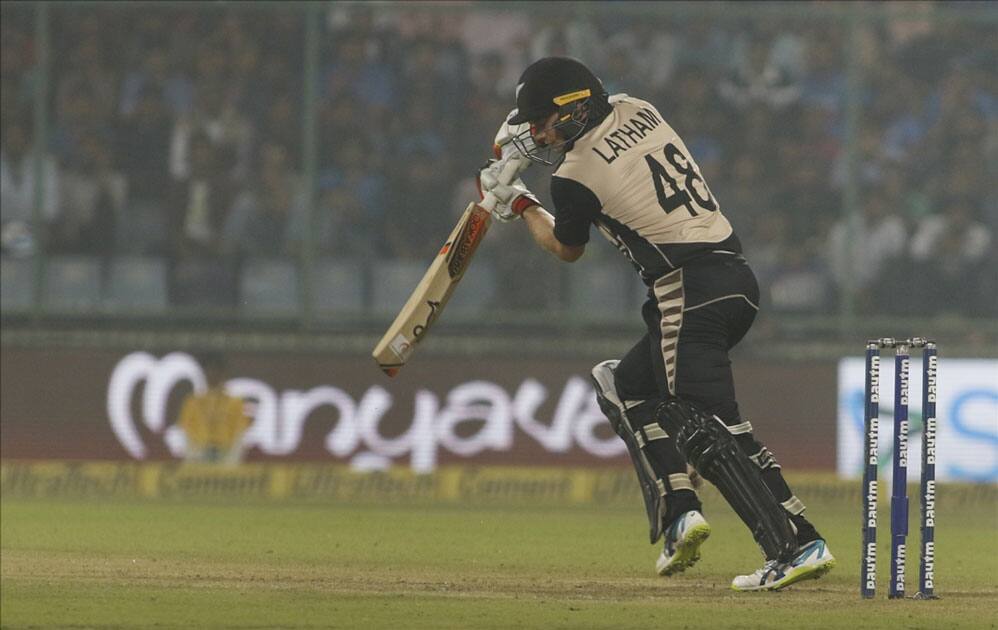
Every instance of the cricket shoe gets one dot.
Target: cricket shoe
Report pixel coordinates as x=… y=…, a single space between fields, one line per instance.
x=811 y=562
x=682 y=543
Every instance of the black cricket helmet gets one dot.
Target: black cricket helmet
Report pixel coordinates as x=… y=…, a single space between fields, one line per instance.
x=549 y=85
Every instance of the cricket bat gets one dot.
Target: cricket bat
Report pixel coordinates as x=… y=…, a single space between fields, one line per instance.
x=433 y=292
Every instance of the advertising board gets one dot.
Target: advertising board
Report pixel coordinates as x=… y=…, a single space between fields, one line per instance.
x=92 y=405
x=966 y=419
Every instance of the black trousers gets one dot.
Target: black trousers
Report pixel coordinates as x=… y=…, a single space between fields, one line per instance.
x=694 y=315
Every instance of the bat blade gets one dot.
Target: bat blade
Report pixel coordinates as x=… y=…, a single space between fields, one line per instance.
x=431 y=295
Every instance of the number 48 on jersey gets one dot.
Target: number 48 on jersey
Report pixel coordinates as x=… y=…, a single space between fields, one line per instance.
x=688 y=189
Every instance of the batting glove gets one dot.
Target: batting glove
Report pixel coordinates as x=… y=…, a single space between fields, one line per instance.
x=511 y=199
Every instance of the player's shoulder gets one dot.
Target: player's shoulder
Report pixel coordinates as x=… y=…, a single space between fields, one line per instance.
x=626 y=103
x=631 y=113
x=627 y=108
x=571 y=192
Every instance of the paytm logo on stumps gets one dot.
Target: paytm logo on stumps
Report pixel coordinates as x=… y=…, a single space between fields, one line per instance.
x=964 y=445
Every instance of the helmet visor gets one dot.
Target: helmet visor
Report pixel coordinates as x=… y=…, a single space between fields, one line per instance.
x=567 y=128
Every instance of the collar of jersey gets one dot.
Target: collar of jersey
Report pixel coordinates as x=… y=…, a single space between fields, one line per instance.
x=594 y=124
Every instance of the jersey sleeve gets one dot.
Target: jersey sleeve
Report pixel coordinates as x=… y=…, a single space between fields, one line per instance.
x=576 y=207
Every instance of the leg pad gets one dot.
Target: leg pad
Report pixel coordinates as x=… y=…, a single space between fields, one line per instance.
x=653 y=489
x=711 y=449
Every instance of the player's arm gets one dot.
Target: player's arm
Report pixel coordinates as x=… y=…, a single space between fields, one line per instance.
x=515 y=201
x=541 y=223
x=564 y=234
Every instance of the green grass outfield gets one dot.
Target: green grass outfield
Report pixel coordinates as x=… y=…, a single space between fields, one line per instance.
x=168 y=564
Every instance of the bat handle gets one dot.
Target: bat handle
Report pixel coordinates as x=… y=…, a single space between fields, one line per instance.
x=510 y=169
x=488 y=203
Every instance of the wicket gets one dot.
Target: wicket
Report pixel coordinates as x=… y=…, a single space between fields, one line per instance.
x=899 y=478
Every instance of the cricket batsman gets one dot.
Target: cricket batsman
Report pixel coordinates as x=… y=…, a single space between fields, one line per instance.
x=621 y=168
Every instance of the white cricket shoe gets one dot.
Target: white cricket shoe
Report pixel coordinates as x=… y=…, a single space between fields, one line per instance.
x=682 y=543
x=812 y=561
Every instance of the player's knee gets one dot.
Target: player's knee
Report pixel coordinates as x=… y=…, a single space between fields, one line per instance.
x=700 y=435
x=726 y=410
x=696 y=433
x=759 y=454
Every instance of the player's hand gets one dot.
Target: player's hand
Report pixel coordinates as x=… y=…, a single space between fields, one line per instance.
x=511 y=199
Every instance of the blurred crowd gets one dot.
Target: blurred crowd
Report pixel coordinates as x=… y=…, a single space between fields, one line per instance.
x=178 y=132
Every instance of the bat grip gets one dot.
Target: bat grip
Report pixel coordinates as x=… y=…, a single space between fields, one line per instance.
x=488 y=203
x=510 y=169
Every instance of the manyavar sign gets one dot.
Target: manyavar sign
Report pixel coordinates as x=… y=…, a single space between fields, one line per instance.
x=98 y=405
x=470 y=418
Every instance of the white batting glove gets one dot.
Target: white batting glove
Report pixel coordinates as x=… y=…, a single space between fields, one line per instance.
x=511 y=199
